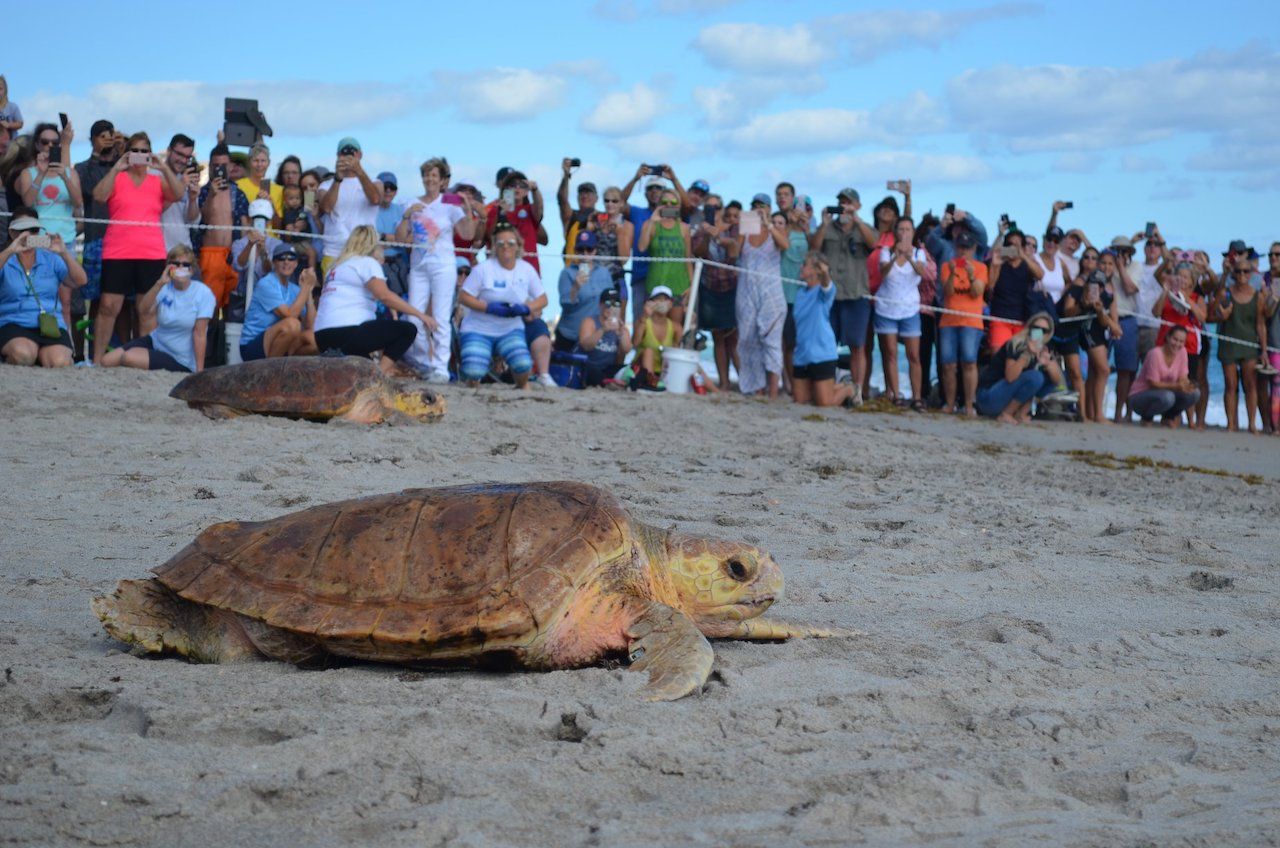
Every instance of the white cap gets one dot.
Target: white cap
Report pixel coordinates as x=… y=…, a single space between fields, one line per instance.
x=660 y=290
x=261 y=208
x=655 y=180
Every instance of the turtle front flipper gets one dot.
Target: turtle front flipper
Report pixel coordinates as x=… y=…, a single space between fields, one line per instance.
x=148 y=614
x=770 y=630
x=667 y=643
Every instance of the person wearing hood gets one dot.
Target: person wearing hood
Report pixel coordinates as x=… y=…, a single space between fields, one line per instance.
x=1020 y=371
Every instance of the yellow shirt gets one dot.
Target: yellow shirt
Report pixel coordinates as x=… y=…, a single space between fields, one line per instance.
x=251 y=190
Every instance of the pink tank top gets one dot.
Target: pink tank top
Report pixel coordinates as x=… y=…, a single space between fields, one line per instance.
x=131 y=202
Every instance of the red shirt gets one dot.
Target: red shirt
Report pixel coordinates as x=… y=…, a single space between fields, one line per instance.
x=1187 y=319
x=522 y=219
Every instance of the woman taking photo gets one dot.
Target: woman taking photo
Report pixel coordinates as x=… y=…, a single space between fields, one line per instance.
x=964 y=282
x=1163 y=387
x=616 y=235
x=666 y=237
x=902 y=269
x=1014 y=273
x=1021 y=370
x=1068 y=336
x=604 y=340
x=278 y=320
x=179 y=309
x=1095 y=300
x=133 y=257
x=1179 y=304
x=814 y=371
x=346 y=319
x=52 y=188
x=32 y=329
x=1241 y=319
x=500 y=292
x=759 y=307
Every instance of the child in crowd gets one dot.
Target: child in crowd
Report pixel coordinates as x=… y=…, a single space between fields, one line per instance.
x=814 y=369
x=298 y=219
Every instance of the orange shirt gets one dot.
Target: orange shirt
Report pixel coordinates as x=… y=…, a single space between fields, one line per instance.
x=961 y=298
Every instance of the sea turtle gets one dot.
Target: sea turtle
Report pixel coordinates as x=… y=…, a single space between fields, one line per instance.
x=537 y=575
x=317 y=387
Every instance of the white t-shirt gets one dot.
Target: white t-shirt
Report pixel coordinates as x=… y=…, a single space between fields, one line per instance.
x=432 y=225
x=345 y=300
x=899 y=293
x=351 y=210
x=1071 y=264
x=1054 y=281
x=492 y=283
x=1148 y=294
x=174 y=222
x=177 y=311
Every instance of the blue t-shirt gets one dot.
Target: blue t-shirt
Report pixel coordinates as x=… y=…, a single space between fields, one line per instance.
x=268 y=296
x=176 y=315
x=388 y=219
x=17 y=304
x=815 y=340
x=588 y=302
x=639 y=270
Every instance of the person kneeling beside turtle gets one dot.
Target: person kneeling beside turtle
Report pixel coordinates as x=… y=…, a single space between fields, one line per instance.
x=280 y=316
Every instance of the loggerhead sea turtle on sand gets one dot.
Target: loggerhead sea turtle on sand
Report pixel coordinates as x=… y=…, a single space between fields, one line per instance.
x=316 y=387
x=537 y=575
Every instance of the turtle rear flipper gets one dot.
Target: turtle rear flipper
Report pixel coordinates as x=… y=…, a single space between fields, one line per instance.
x=667 y=643
x=148 y=614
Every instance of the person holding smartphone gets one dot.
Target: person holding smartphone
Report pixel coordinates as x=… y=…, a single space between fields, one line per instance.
x=1022 y=369
x=615 y=235
x=581 y=284
x=848 y=241
x=1014 y=273
x=33 y=330
x=760 y=308
x=179 y=307
x=133 y=257
x=718 y=240
x=1179 y=304
x=665 y=237
x=604 y=339
x=52 y=187
x=348 y=199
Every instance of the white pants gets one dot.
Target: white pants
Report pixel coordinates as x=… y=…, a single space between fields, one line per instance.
x=432 y=283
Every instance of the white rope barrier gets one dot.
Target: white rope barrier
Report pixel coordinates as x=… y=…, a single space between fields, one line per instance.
x=936 y=310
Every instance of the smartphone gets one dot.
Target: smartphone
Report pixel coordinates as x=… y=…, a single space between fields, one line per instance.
x=951 y=209
x=833 y=211
x=38 y=240
x=1094 y=291
x=62 y=116
x=139 y=159
x=709 y=214
x=309 y=198
x=669 y=212
x=55 y=154
x=750 y=225
x=575 y=163
x=1151 y=229
x=655 y=170
x=1004 y=219
x=1067 y=204
x=509 y=197
x=1009 y=251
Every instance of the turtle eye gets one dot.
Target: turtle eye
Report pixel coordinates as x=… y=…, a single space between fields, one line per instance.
x=736 y=569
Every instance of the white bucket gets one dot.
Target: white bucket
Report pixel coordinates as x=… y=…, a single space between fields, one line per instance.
x=232 y=331
x=678 y=367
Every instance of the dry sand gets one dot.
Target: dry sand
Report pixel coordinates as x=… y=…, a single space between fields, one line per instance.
x=1060 y=654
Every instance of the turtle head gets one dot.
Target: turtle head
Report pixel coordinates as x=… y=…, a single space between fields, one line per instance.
x=422 y=404
x=721 y=583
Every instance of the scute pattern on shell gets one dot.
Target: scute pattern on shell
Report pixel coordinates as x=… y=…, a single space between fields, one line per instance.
x=465 y=568
x=301 y=385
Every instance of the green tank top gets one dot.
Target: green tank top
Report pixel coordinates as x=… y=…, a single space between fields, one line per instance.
x=668 y=242
x=1241 y=325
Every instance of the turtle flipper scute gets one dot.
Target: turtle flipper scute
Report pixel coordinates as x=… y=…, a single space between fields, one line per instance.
x=669 y=645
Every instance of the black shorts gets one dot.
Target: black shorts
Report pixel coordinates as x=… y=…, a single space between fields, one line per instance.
x=9 y=332
x=159 y=360
x=130 y=276
x=716 y=310
x=563 y=344
x=789 y=329
x=815 y=371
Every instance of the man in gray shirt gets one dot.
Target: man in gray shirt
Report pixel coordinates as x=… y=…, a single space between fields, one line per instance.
x=847 y=240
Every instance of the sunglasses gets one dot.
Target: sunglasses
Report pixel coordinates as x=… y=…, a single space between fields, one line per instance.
x=139 y=150
x=1242 y=272
x=1040 y=327
x=287 y=257
x=47 y=142
x=181 y=264
x=613 y=200
x=1155 y=244
x=1051 y=240
x=520 y=184
x=1274 y=253
x=506 y=242
x=670 y=203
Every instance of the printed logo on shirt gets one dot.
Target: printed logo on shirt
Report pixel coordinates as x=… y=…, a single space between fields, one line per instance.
x=499 y=284
x=523 y=214
x=166 y=301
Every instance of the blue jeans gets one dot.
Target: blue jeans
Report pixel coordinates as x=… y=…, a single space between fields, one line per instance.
x=904 y=328
x=992 y=400
x=849 y=319
x=958 y=344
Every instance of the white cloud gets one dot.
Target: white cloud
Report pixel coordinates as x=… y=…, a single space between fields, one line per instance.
x=1078 y=162
x=916 y=114
x=654 y=147
x=758 y=49
x=502 y=94
x=1069 y=108
x=1132 y=163
x=801 y=130
x=889 y=165
x=627 y=112
x=292 y=107
x=733 y=102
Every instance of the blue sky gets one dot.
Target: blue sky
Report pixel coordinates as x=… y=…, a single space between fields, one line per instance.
x=1133 y=111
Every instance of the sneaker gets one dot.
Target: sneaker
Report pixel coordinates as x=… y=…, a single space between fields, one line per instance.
x=545 y=381
x=856 y=400
x=437 y=377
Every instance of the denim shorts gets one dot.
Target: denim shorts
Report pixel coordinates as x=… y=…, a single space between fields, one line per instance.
x=907 y=328
x=1126 y=347
x=849 y=319
x=958 y=344
x=535 y=329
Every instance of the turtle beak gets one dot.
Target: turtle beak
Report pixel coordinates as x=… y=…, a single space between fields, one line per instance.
x=424 y=405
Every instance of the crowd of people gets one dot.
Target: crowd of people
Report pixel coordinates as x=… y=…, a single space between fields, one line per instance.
x=149 y=259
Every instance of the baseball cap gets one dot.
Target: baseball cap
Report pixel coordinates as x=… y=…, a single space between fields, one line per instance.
x=585 y=187
x=587 y=239
x=762 y=199
x=240 y=158
x=1237 y=246
x=284 y=250
x=700 y=185
x=966 y=238
x=388 y=178
x=1122 y=243
x=502 y=174
x=659 y=291
x=348 y=141
x=261 y=208
x=655 y=181
x=1053 y=233
x=100 y=126
x=851 y=193
x=26 y=222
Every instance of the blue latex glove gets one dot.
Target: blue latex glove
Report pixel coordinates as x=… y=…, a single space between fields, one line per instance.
x=519 y=309
x=503 y=310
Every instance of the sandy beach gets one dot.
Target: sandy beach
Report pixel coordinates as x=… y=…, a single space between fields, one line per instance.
x=1062 y=649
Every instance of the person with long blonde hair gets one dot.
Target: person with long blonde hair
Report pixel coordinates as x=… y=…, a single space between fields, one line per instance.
x=1020 y=371
x=347 y=320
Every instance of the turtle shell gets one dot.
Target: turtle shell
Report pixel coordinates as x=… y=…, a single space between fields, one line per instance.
x=310 y=386
x=425 y=573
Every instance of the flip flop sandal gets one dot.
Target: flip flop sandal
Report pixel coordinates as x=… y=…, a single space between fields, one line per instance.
x=918 y=405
